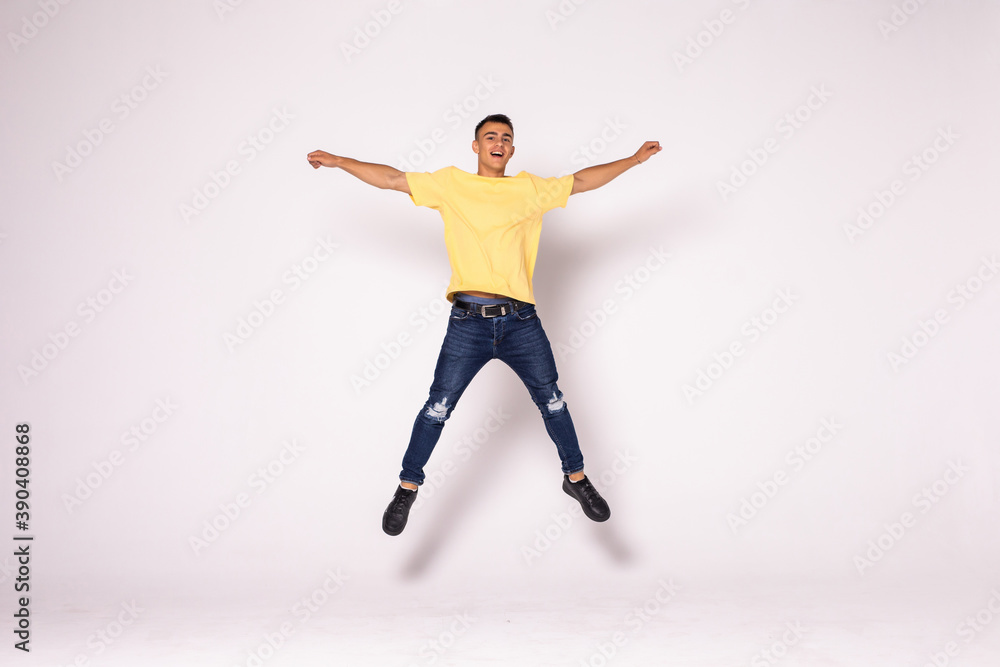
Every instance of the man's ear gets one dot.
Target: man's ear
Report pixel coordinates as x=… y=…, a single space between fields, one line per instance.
x=475 y=146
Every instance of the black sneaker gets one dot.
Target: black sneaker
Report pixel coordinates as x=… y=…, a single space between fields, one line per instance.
x=593 y=505
x=394 y=517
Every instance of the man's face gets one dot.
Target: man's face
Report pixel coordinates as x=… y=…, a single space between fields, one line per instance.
x=495 y=145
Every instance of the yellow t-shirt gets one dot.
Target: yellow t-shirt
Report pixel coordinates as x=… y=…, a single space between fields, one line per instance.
x=491 y=225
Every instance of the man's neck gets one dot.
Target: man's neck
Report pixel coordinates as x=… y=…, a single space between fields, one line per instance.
x=490 y=173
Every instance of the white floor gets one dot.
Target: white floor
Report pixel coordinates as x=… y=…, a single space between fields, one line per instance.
x=633 y=620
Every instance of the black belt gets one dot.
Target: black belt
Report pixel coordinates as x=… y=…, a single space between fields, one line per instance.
x=493 y=309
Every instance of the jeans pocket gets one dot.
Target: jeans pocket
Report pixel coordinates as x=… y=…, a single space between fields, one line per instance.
x=458 y=314
x=527 y=313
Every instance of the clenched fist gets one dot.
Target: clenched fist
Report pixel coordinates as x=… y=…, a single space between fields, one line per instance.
x=648 y=149
x=322 y=159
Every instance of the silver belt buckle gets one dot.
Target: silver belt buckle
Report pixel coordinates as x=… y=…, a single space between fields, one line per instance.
x=503 y=309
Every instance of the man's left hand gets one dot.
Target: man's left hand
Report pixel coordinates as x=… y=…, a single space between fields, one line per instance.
x=648 y=149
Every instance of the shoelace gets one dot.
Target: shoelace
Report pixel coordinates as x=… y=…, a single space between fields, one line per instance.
x=399 y=503
x=589 y=492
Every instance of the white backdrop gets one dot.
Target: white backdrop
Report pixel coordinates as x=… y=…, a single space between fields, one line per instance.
x=777 y=337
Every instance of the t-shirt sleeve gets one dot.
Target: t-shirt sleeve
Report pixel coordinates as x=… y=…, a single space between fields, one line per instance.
x=427 y=188
x=552 y=192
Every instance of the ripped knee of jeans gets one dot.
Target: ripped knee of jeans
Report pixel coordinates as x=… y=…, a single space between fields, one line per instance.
x=439 y=411
x=556 y=403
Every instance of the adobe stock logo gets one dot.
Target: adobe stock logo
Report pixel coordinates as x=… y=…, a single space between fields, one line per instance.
x=88 y=310
x=381 y=18
x=752 y=329
x=103 y=638
x=968 y=630
x=268 y=645
x=796 y=459
x=899 y=16
x=963 y=293
x=253 y=145
x=629 y=284
x=122 y=107
x=914 y=169
x=231 y=510
x=137 y=435
x=420 y=320
x=563 y=11
x=588 y=153
x=704 y=39
x=924 y=500
x=635 y=620
x=31 y=25
x=787 y=126
x=779 y=648
x=296 y=276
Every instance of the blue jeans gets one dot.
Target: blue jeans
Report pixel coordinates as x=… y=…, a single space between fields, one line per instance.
x=517 y=339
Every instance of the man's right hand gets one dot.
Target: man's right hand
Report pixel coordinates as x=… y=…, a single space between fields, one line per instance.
x=380 y=175
x=322 y=159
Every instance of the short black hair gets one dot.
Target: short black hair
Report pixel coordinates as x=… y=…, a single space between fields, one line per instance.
x=494 y=118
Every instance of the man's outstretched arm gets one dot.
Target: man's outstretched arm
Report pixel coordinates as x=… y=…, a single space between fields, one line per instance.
x=380 y=175
x=600 y=174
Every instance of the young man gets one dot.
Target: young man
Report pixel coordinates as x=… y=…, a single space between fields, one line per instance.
x=492 y=224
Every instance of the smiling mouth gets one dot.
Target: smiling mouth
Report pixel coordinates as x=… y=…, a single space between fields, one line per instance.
x=496 y=154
